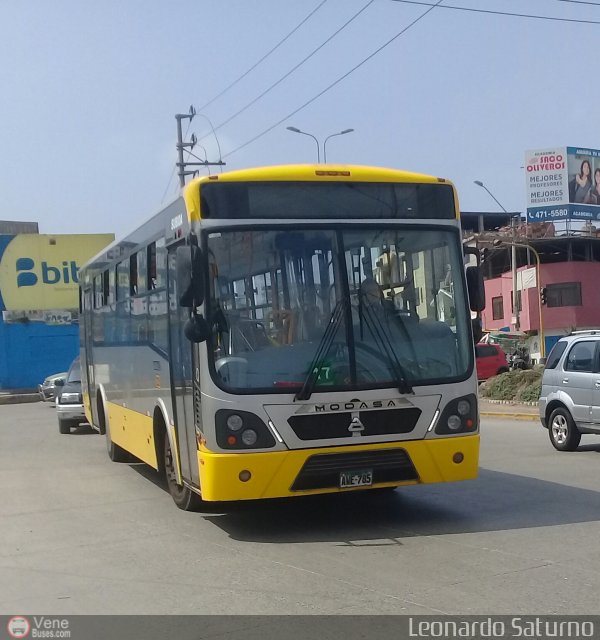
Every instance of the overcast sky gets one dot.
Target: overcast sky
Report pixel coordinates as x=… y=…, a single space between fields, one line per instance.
x=89 y=90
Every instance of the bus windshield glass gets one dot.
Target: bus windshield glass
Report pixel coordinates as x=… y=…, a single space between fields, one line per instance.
x=318 y=200
x=347 y=309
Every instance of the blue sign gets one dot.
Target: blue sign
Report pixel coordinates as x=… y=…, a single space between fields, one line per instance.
x=563 y=212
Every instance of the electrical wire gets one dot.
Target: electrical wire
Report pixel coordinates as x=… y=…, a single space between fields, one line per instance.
x=501 y=13
x=593 y=4
x=229 y=86
x=336 y=82
x=289 y=73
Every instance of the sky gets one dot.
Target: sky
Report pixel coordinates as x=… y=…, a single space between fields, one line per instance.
x=89 y=91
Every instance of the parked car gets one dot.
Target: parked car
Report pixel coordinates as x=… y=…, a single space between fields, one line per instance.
x=570 y=398
x=69 y=401
x=491 y=360
x=49 y=388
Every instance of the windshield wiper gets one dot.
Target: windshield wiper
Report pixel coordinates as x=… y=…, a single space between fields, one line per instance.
x=314 y=371
x=384 y=343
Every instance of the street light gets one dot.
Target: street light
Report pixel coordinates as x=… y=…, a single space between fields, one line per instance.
x=341 y=133
x=304 y=133
x=480 y=184
x=500 y=243
x=296 y=130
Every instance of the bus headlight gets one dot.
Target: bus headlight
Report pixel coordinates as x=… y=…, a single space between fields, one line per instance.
x=241 y=430
x=249 y=437
x=454 y=423
x=463 y=407
x=234 y=422
x=459 y=416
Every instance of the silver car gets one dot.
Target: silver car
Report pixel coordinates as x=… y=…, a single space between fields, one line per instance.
x=50 y=387
x=69 y=402
x=570 y=397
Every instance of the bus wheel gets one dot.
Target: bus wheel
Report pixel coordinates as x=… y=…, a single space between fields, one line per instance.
x=183 y=496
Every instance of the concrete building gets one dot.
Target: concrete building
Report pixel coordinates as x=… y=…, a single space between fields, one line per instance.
x=569 y=271
x=39 y=301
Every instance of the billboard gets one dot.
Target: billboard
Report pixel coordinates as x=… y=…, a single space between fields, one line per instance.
x=563 y=183
x=40 y=273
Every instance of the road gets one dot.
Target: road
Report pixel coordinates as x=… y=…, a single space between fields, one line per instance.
x=80 y=534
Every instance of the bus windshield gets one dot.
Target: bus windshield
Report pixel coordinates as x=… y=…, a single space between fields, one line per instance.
x=343 y=309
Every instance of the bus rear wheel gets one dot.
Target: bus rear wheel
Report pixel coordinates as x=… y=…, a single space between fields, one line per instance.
x=183 y=496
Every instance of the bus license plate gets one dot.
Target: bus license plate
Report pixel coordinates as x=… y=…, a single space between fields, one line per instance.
x=359 y=478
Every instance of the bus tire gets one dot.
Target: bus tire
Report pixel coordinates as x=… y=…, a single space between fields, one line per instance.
x=183 y=496
x=115 y=452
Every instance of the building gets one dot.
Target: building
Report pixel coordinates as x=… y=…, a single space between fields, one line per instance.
x=39 y=301
x=569 y=269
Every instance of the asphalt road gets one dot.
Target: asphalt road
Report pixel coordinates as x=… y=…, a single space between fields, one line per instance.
x=80 y=534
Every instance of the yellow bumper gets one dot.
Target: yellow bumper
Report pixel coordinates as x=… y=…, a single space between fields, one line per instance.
x=273 y=474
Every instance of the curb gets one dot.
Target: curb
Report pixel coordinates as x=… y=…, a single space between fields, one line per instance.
x=515 y=416
x=19 y=398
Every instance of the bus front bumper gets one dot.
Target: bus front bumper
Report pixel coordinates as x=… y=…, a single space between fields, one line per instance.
x=277 y=474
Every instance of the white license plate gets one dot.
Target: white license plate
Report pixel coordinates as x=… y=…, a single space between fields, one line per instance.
x=359 y=478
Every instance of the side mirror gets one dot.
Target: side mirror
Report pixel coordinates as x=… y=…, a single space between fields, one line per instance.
x=196 y=328
x=476 y=288
x=190 y=283
x=477 y=329
x=59 y=382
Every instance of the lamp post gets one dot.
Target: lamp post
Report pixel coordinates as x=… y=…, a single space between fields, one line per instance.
x=513 y=257
x=296 y=130
x=500 y=243
x=341 y=133
x=304 y=133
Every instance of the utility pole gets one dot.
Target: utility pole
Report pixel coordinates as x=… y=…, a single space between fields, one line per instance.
x=514 y=272
x=181 y=145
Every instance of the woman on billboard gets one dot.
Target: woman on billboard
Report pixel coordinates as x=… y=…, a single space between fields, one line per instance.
x=580 y=186
x=594 y=194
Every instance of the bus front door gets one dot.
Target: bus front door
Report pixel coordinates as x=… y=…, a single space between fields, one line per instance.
x=182 y=382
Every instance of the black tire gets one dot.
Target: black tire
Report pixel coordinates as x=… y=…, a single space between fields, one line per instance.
x=64 y=426
x=502 y=370
x=183 y=496
x=101 y=417
x=563 y=432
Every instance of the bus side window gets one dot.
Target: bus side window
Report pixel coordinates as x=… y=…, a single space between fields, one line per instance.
x=133 y=275
x=122 y=281
x=151 y=266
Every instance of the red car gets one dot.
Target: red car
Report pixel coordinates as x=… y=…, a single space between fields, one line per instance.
x=491 y=360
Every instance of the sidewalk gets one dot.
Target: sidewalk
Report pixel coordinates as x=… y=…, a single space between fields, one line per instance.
x=508 y=409
x=18 y=396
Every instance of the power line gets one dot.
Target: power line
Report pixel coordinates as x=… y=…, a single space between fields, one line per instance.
x=264 y=57
x=593 y=4
x=289 y=73
x=333 y=84
x=501 y=13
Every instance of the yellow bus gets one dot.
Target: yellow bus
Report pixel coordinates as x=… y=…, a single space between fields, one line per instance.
x=289 y=330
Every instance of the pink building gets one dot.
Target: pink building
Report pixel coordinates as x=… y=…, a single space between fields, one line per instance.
x=569 y=278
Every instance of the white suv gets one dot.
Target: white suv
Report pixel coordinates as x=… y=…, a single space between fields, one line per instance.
x=570 y=397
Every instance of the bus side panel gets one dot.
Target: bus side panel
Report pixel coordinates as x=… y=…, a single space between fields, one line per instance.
x=134 y=432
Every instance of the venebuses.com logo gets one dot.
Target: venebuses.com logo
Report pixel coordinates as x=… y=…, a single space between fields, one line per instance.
x=38 y=627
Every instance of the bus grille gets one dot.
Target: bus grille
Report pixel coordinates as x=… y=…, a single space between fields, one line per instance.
x=322 y=426
x=322 y=471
